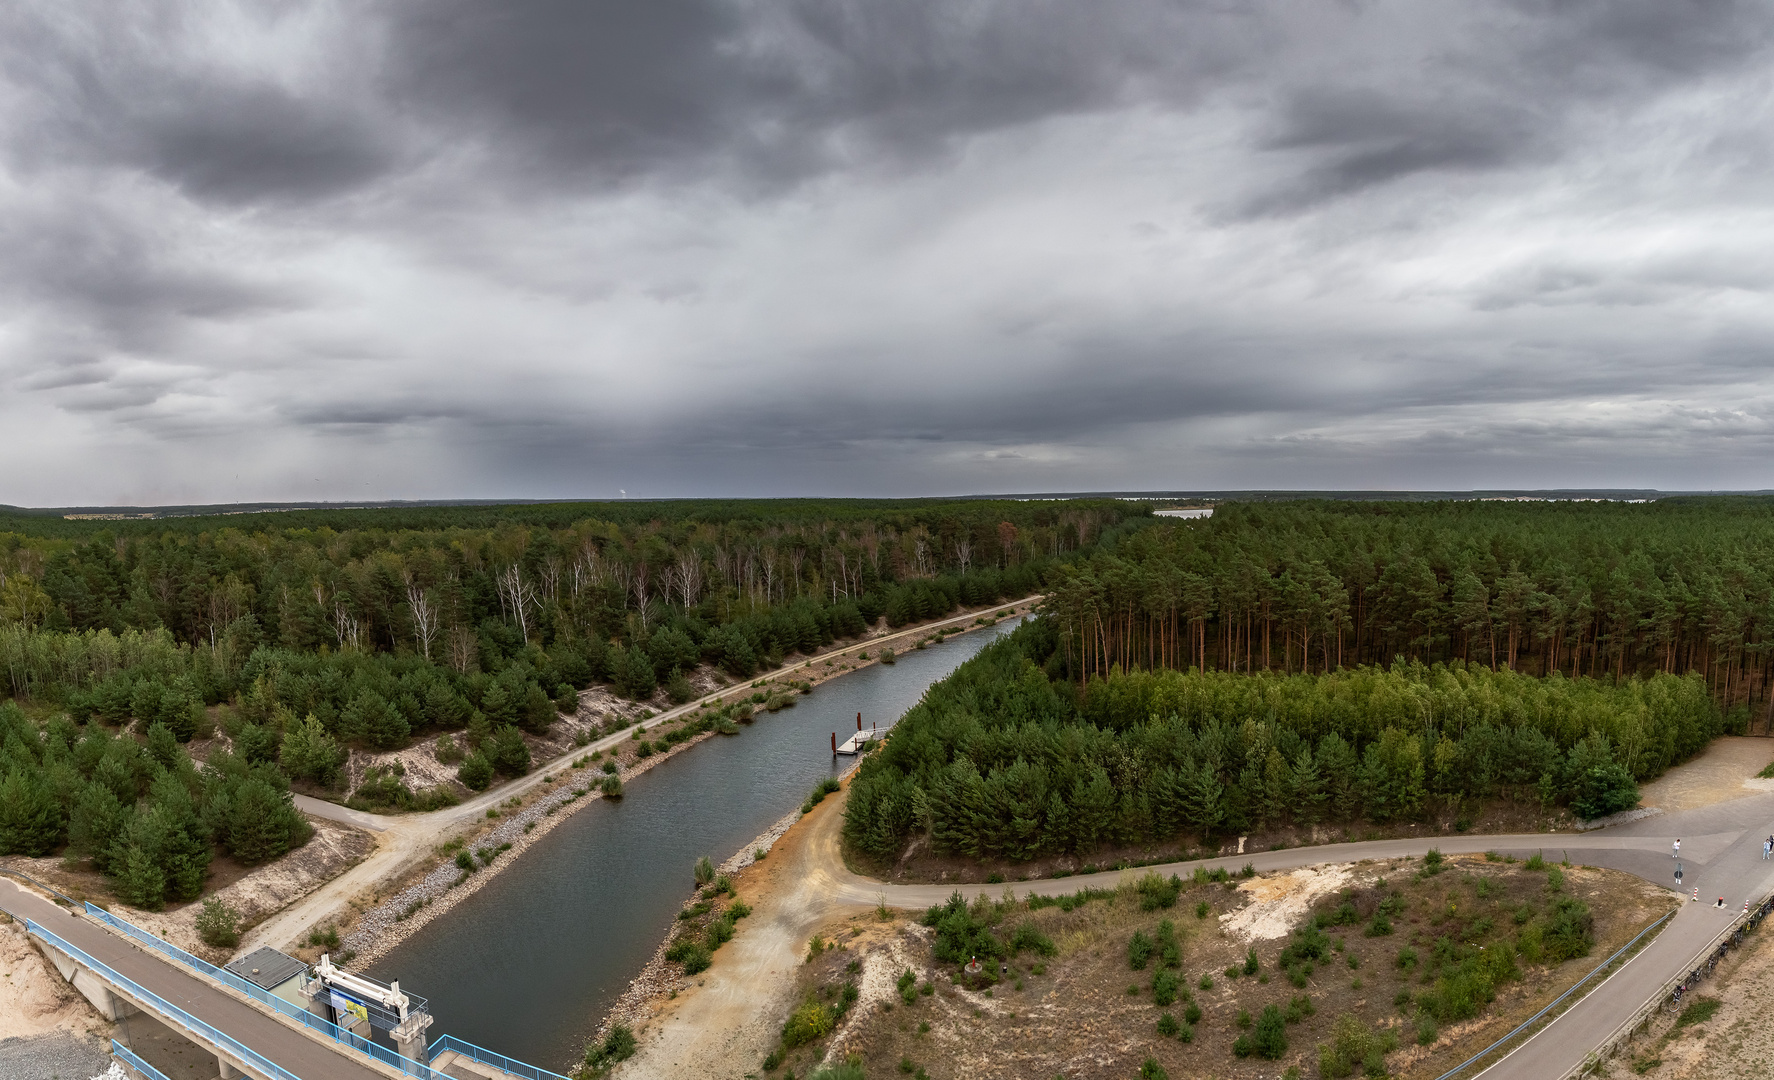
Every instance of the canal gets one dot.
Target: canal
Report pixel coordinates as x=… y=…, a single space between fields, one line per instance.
x=528 y=965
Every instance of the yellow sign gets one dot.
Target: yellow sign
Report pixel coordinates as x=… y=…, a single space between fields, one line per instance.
x=362 y=1012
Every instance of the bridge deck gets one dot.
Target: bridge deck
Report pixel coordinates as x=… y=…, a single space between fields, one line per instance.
x=307 y=1057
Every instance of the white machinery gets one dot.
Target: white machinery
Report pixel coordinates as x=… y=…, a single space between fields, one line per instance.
x=349 y=1000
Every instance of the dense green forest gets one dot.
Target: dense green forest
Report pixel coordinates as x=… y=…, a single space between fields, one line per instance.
x=1594 y=589
x=1004 y=759
x=319 y=608
x=325 y=630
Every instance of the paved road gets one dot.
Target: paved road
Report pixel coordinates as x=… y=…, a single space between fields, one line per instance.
x=1721 y=854
x=308 y=1057
x=404 y=838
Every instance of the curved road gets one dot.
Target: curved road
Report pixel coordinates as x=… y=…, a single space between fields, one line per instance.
x=403 y=839
x=1721 y=855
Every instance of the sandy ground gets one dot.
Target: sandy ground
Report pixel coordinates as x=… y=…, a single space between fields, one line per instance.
x=727 y=1023
x=1726 y=770
x=1278 y=903
x=34 y=999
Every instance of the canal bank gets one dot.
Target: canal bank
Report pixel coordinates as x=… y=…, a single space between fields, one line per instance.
x=530 y=960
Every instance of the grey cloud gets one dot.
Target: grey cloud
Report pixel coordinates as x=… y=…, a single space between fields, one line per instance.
x=724 y=245
x=122 y=90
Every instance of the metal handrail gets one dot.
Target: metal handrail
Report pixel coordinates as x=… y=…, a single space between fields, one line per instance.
x=343 y=1036
x=41 y=885
x=488 y=1057
x=193 y=1024
x=136 y=1064
x=1532 y=1020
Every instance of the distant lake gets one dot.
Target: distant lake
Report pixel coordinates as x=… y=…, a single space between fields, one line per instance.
x=1186 y=512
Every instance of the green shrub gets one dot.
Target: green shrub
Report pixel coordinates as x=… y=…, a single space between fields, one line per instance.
x=1351 y=1047
x=218 y=924
x=960 y=935
x=1151 y=1070
x=809 y=1022
x=1167 y=1025
x=693 y=954
x=1139 y=950
x=1269 y=1040
x=704 y=871
x=1164 y=988
x=448 y=753
x=1603 y=789
x=475 y=772
x=1028 y=936
x=618 y=1045
x=1570 y=930
x=1157 y=892
x=611 y=787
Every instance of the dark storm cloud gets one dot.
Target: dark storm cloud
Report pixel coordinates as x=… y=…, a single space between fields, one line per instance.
x=525 y=248
x=122 y=89
x=609 y=91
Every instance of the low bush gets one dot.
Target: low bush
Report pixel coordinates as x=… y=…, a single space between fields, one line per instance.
x=1164 y=988
x=809 y=1022
x=475 y=772
x=1139 y=950
x=1157 y=892
x=618 y=1045
x=219 y=925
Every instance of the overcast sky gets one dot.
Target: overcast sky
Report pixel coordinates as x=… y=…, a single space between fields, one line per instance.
x=438 y=249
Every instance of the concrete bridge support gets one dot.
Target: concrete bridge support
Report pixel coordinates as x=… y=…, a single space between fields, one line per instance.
x=91 y=987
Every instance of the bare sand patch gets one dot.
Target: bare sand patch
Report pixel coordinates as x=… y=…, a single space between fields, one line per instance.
x=1726 y=770
x=34 y=999
x=1279 y=903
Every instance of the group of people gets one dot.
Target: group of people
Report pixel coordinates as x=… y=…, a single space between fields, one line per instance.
x=1767 y=849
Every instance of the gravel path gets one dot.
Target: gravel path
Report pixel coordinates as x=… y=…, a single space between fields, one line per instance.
x=59 y=1055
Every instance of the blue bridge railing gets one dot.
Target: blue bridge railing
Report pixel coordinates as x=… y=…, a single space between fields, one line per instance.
x=487 y=1057
x=142 y=1069
x=166 y=1008
x=265 y=997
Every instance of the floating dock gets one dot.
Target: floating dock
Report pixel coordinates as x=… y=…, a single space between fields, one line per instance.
x=855 y=743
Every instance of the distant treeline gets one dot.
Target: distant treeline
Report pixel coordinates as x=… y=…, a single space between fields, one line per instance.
x=1591 y=589
x=383 y=624
x=1004 y=759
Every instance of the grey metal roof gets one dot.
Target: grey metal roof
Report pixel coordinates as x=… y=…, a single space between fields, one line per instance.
x=266 y=968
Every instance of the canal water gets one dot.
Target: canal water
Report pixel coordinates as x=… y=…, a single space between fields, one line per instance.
x=528 y=965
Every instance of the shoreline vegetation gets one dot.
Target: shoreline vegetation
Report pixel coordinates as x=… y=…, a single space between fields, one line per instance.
x=392 y=913
x=1028 y=756
x=172 y=683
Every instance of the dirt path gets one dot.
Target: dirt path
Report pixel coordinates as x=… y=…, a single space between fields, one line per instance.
x=730 y=1019
x=403 y=841
x=727 y=1023
x=1726 y=770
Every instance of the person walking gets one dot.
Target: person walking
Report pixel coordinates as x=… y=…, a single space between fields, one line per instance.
x=1764 y=851
x=1677 y=853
